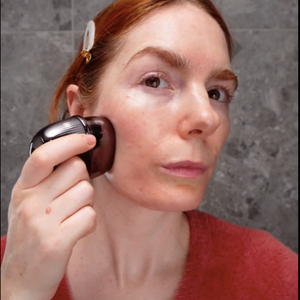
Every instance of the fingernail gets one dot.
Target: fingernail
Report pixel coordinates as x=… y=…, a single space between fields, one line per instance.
x=90 y=139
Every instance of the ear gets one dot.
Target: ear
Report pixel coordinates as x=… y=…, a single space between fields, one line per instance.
x=74 y=100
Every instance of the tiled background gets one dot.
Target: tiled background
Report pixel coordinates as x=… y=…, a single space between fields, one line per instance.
x=255 y=182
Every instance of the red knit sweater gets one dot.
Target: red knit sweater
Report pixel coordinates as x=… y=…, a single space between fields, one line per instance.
x=228 y=262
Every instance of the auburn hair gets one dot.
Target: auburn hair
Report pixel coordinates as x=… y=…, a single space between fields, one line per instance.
x=111 y=25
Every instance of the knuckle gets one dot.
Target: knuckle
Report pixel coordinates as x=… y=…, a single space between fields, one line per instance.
x=39 y=158
x=49 y=247
x=18 y=207
x=87 y=192
x=24 y=214
x=15 y=195
x=91 y=217
x=86 y=188
x=78 y=163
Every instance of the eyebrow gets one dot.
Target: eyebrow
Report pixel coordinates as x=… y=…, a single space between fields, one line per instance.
x=177 y=61
x=170 y=57
x=225 y=75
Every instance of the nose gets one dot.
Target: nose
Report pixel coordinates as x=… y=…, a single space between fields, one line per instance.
x=199 y=118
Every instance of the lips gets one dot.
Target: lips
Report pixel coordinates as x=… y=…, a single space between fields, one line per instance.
x=185 y=169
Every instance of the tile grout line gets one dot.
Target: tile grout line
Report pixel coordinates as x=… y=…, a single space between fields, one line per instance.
x=82 y=31
x=39 y=31
x=72 y=25
x=263 y=29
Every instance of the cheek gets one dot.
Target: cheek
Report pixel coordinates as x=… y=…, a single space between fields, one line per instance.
x=137 y=118
x=225 y=126
x=221 y=135
x=218 y=139
x=131 y=123
x=130 y=128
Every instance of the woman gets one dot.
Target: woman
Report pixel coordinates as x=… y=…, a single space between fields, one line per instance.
x=160 y=72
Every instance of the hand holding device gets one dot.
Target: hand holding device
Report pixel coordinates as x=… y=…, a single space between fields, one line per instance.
x=51 y=206
x=98 y=160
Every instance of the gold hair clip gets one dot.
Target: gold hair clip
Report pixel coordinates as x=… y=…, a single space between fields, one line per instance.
x=88 y=41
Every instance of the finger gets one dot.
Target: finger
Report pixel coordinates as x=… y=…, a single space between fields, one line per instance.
x=79 y=225
x=80 y=195
x=42 y=161
x=63 y=178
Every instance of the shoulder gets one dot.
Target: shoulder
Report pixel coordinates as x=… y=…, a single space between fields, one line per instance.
x=235 y=236
x=249 y=259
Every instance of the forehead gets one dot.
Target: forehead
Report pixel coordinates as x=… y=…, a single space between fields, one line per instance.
x=183 y=28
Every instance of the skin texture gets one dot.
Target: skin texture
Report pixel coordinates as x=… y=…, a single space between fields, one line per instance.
x=174 y=123
x=138 y=204
x=123 y=235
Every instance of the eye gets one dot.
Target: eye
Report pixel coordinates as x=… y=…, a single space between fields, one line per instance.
x=219 y=95
x=155 y=82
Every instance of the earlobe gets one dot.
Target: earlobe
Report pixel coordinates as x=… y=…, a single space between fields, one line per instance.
x=74 y=100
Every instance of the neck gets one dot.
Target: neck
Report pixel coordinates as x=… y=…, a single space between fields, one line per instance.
x=131 y=241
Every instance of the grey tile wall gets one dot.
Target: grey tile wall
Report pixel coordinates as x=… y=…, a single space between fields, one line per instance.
x=255 y=182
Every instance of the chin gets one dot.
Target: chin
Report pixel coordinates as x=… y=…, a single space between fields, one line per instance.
x=175 y=202
x=173 y=206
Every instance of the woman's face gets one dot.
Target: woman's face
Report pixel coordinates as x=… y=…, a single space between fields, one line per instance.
x=167 y=94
